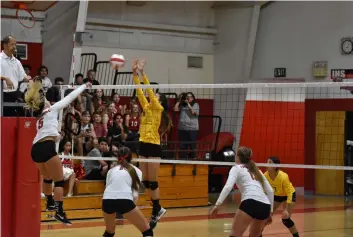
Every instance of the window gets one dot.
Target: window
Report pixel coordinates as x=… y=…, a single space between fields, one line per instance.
x=195 y=62
x=21 y=51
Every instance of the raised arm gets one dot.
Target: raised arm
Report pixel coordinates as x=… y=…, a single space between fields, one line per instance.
x=153 y=99
x=139 y=92
x=68 y=99
x=232 y=177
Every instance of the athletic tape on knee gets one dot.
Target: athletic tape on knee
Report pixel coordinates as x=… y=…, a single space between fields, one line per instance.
x=146 y=184
x=288 y=223
x=59 y=183
x=153 y=185
x=47 y=181
x=147 y=233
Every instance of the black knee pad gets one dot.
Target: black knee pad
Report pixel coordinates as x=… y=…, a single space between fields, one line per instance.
x=47 y=181
x=146 y=184
x=59 y=183
x=153 y=185
x=288 y=223
x=106 y=234
x=147 y=233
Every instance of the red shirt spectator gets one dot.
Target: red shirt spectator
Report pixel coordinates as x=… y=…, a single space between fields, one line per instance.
x=99 y=128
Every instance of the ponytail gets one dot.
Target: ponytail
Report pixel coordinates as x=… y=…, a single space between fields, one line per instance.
x=253 y=169
x=166 y=123
x=124 y=158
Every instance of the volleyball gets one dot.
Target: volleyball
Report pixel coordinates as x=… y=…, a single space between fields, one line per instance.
x=117 y=61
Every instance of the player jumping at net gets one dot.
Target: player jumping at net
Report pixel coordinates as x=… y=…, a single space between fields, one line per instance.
x=121 y=194
x=43 y=149
x=284 y=193
x=256 y=196
x=154 y=122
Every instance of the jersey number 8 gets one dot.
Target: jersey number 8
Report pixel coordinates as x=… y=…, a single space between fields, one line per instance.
x=40 y=123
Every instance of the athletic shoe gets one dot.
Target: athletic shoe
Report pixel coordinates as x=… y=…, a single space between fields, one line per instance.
x=62 y=218
x=155 y=218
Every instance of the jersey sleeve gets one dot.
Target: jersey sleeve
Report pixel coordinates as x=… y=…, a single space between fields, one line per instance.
x=269 y=191
x=288 y=188
x=232 y=177
x=139 y=92
x=108 y=180
x=68 y=99
x=153 y=99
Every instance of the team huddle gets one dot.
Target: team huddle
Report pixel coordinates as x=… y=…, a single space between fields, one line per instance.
x=261 y=194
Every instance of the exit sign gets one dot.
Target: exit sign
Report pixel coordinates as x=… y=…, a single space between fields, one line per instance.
x=280 y=72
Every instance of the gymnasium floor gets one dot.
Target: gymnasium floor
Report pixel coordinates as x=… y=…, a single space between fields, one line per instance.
x=314 y=216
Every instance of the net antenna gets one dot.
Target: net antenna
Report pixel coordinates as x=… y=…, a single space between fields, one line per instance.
x=24 y=14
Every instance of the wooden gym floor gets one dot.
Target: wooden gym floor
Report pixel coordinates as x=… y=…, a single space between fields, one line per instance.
x=314 y=217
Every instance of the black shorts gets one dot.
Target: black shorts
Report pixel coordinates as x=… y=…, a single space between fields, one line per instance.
x=43 y=151
x=150 y=150
x=284 y=198
x=120 y=206
x=255 y=209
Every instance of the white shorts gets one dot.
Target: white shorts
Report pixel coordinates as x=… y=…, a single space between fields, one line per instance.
x=67 y=173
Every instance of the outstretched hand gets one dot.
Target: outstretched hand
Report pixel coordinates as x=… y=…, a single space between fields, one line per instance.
x=134 y=65
x=141 y=65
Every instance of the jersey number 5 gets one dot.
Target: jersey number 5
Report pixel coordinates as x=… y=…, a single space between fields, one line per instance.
x=40 y=123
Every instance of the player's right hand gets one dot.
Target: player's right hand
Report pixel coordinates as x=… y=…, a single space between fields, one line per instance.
x=89 y=85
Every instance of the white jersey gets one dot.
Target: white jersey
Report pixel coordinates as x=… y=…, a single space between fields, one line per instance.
x=48 y=124
x=119 y=184
x=248 y=186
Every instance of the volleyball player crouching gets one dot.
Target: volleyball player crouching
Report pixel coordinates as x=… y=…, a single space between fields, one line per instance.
x=256 y=196
x=43 y=149
x=284 y=193
x=154 y=122
x=121 y=193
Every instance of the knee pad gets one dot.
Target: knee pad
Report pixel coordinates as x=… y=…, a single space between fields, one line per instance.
x=106 y=234
x=153 y=185
x=146 y=184
x=147 y=233
x=47 y=181
x=59 y=183
x=288 y=223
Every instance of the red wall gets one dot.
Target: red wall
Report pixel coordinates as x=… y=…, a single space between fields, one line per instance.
x=273 y=128
x=34 y=56
x=311 y=107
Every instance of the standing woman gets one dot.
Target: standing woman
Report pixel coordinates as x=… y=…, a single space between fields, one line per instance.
x=154 y=121
x=121 y=193
x=284 y=193
x=43 y=150
x=256 y=195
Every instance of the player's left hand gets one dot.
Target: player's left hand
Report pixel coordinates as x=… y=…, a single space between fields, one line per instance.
x=285 y=214
x=89 y=85
x=141 y=65
x=214 y=211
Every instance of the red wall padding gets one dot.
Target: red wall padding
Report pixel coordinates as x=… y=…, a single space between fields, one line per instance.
x=8 y=158
x=273 y=128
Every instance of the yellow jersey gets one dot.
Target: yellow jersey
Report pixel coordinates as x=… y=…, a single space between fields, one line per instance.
x=281 y=185
x=151 y=115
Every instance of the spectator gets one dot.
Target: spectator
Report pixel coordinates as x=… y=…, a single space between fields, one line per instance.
x=53 y=93
x=188 y=127
x=46 y=82
x=87 y=138
x=111 y=111
x=12 y=73
x=68 y=168
x=78 y=79
x=133 y=120
x=132 y=102
x=99 y=128
x=118 y=133
x=91 y=77
x=118 y=107
x=97 y=170
x=98 y=104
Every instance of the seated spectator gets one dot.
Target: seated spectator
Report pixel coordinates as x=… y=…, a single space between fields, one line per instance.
x=131 y=103
x=118 y=133
x=68 y=168
x=98 y=103
x=120 y=109
x=53 y=94
x=111 y=111
x=99 y=127
x=78 y=79
x=46 y=82
x=97 y=169
x=132 y=121
x=87 y=138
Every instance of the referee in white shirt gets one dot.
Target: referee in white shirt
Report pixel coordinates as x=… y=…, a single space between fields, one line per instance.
x=12 y=73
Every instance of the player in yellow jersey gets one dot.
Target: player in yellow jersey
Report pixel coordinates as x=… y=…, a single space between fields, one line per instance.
x=154 y=122
x=284 y=193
